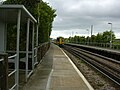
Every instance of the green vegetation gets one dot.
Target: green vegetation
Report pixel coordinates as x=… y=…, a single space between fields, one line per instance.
x=37 y=8
x=99 y=38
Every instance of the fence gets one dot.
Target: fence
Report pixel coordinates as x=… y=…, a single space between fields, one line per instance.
x=42 y=49
x=104 y=45
x=4 y=71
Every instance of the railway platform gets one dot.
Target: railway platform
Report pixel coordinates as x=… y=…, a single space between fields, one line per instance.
x=56 y=72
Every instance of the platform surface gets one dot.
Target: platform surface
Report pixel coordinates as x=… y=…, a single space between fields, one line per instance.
x=55 y=73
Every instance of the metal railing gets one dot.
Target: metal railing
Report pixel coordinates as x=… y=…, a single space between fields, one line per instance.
x=42 y=49
x=28 y=71
x=28 y=68
x=13 y=60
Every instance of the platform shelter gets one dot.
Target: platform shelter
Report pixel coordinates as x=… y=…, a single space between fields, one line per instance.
x=18 y=15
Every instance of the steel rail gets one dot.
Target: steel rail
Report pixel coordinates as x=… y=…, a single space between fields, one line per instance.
x=100 y=57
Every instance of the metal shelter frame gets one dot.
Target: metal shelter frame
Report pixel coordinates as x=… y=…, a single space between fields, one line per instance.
x=18 y=14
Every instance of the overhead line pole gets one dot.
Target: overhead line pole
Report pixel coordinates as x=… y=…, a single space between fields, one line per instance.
x=91 y=30
x=91 y=33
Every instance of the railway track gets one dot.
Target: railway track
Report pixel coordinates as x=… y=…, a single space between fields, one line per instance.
x=107 y=66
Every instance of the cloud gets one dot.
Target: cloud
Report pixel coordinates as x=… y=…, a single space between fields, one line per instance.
x=75 y=15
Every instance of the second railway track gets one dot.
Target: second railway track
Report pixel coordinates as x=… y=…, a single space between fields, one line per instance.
x=107 y=66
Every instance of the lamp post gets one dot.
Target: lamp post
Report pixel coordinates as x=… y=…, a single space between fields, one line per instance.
x=110 y=35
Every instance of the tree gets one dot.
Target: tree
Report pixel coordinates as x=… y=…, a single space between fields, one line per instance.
x=93 y=38
x=47 y=15
x=107 y=36
x=82 y=39
x=99 y=38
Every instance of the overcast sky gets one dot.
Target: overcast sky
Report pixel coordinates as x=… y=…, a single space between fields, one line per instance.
x=75 y=16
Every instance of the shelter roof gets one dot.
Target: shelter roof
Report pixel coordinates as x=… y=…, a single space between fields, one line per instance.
x=9 y=14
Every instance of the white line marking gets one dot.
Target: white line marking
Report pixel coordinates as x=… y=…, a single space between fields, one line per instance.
x=49 y=80
x=79 y=73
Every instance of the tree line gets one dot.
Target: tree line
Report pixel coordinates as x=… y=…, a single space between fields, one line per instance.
x=104 y=37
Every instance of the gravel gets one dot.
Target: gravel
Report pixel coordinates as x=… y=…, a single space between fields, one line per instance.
x=95 y=78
